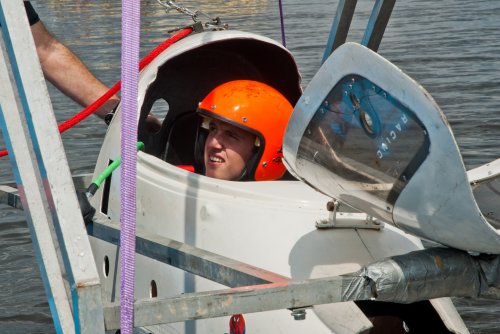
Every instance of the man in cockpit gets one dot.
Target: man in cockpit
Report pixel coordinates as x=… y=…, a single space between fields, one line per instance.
x=241 y=135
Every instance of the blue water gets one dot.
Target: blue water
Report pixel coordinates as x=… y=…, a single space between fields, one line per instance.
x=451 y=47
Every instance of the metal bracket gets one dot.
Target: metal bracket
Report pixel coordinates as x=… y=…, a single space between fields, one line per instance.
x=211 y=23
x=10 y=196
x=338 y=219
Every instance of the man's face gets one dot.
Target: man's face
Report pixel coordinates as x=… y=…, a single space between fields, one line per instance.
x=227 y=150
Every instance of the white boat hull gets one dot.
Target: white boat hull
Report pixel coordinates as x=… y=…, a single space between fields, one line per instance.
x=270 y=225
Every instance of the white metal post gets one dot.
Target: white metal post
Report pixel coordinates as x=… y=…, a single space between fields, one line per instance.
x=44 y=179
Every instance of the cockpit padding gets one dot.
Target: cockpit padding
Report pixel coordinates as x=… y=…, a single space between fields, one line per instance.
x=185 y=80
x=181 y=140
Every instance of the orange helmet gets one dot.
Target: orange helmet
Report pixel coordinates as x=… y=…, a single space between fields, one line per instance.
x=258 y=109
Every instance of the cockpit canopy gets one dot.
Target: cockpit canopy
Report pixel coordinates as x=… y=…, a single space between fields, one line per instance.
x=369 y=136
x=187 y=74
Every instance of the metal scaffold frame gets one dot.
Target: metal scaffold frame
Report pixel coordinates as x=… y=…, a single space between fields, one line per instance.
x=252 y=289
x=374 y=31
x=44 y=181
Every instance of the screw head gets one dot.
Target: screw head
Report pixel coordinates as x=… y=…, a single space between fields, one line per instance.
x=299 y=314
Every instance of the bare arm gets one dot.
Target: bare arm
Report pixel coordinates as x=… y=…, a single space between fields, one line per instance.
x=65 y=71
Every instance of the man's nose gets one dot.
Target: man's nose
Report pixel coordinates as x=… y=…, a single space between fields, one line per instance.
x=215 y=141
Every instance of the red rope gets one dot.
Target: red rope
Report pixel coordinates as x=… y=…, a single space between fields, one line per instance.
x=117 y=86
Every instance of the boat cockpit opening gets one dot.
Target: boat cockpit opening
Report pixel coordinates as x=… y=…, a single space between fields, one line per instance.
x=183 y=81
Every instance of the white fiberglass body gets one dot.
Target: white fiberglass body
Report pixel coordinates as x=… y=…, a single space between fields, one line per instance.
x=270 y=225
x=368 y=135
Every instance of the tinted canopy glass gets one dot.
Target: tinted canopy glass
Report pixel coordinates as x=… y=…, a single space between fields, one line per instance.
x=362 y=143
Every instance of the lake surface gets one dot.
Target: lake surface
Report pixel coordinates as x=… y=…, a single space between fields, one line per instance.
x=451 y=47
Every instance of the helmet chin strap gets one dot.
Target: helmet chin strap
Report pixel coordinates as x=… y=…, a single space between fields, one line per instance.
x=243 y=176
x=248 y=173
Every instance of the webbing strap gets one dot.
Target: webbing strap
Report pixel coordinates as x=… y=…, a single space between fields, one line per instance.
x=128 y=168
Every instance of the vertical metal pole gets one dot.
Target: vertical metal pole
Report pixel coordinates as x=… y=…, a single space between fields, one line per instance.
x=44 y=180
x=377 y=23
x=340 y=26
x=32 y=197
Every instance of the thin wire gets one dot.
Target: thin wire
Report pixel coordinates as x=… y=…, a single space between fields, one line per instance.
x=282 y=20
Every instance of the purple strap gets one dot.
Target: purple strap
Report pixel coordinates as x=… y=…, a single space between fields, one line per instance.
x=128 y=168
x=282 y=20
